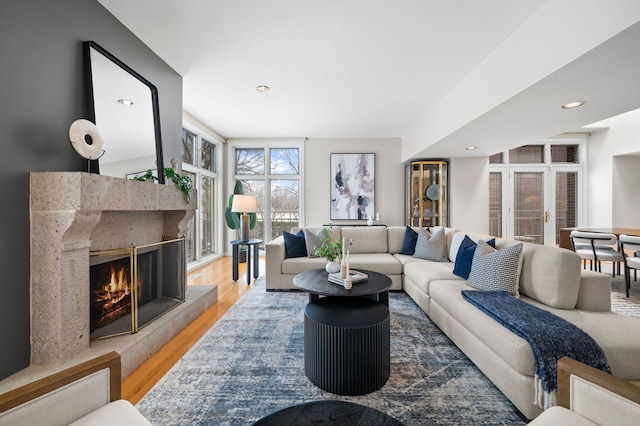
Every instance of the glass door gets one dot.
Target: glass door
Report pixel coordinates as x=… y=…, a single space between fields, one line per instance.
x=529 y=212
x=543 y=202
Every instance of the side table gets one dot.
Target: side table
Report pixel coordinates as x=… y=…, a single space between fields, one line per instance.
x=253 y=245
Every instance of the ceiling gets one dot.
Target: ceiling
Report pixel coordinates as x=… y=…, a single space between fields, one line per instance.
x=336 y=68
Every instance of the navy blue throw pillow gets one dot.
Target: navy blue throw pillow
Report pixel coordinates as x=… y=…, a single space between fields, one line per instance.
x=294 y=244
x=464 y=258
x=409 y=243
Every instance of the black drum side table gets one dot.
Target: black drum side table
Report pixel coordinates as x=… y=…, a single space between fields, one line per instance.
x=252 y=245
x=347 y=344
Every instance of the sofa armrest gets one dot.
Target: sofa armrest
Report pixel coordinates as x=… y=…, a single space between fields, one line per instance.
x=596 y=395
x=89 y=385
x=274 y=256
x=595 y=292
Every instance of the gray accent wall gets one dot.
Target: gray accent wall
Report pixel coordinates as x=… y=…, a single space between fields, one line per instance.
x=42 y=91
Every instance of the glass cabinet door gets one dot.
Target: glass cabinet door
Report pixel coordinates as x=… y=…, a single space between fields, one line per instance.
x=427 y=203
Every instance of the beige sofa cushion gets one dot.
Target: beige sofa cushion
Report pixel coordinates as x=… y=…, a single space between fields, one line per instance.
x=366 y=239
x=514 y=350
x=383 y=263
x=617 y=335
x=550 y=275
x=395 y=236
x=423 y=272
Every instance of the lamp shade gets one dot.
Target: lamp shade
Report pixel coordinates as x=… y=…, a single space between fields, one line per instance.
x=244 y=204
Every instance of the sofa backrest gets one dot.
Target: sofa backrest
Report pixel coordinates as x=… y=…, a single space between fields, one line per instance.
x=395 y=237
x=365 y=239
x=550 y=275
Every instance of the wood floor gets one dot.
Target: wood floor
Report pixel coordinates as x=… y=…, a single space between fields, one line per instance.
x=219 y=273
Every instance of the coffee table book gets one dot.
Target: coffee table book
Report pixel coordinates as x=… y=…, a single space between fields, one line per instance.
x=356 y=277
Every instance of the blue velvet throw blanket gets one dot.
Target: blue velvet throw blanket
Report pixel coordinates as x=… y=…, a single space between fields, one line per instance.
x=550 y=337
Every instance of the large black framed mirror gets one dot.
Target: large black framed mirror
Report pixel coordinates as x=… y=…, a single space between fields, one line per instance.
x=124 y=106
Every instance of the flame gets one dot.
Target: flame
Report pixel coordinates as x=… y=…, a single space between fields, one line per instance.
x=114 y=291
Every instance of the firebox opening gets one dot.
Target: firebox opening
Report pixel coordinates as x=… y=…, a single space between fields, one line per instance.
x=160 y=278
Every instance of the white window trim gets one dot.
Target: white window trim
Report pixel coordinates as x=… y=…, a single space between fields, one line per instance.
x=193 y=125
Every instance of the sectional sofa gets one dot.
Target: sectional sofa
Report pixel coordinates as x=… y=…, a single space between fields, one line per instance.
x=550 y=278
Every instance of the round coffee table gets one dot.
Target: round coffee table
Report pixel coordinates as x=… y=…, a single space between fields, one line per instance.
x=316 y=283
x=328 y=413
x=347 y=349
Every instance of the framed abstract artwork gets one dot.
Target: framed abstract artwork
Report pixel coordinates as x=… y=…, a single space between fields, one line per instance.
x=353 y=186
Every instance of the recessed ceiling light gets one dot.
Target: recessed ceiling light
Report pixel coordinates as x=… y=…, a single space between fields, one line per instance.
x=575 y=104
x=471 y=148
x=125 y=102
x=262 y=88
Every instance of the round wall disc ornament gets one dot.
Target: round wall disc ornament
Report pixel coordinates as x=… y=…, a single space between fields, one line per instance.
x=86 y=140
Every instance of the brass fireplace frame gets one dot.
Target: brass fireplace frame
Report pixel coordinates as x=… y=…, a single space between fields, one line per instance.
x=132 y=252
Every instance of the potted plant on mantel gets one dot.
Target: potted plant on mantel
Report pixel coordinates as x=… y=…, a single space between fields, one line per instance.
x=233 y=219
x=331 y=250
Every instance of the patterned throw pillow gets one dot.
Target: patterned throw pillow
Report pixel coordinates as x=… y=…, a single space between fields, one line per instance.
x=294 y=245
x=314 y=241
x=464 y=258
x=493 y=269
x=431 y=247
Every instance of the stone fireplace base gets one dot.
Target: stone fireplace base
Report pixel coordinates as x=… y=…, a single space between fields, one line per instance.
x=73 y=213
x=134 y=349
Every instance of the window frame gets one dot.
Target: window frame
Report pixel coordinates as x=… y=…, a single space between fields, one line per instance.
x=218 y=200
x=267 y=177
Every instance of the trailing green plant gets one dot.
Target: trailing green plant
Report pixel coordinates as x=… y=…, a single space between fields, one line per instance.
x=329 y=248
x=184 y=183
x=233 y=218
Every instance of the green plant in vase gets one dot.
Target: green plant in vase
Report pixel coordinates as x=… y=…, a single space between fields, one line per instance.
x=331 y=250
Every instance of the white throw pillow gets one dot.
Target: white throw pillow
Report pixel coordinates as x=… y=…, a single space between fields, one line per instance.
x=493 y=269
x=313 y=240
x=431 y=247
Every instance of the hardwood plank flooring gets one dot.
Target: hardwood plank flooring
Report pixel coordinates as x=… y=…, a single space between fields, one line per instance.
x=219 y=272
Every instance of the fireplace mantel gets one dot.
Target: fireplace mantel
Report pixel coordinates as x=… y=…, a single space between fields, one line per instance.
x=73 y=213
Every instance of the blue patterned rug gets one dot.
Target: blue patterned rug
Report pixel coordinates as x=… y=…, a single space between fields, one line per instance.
x=251 y=363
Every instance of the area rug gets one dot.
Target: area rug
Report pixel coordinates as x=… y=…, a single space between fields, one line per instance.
x=251 y=363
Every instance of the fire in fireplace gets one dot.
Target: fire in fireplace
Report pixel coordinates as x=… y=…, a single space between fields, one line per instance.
x=129 y=292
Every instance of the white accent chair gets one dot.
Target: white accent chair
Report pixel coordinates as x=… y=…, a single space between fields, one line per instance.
x=630 y=243
x=86 y=394
x=588 y=396
x=597 y=247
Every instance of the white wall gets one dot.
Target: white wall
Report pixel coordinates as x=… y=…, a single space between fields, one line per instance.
x=626 y=193
x=389 y=192
x=468 y=183
x=469 y=194
x=613 y=167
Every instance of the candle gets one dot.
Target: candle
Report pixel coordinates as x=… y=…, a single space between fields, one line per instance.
x=347 y=263
x=343 y=247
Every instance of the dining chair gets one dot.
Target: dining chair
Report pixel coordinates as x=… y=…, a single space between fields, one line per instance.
x=632 y=261
x=597 y=247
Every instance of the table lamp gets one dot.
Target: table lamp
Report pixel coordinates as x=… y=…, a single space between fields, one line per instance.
x=244 y=204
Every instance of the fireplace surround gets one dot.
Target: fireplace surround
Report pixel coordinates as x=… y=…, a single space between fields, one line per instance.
x=73 y=213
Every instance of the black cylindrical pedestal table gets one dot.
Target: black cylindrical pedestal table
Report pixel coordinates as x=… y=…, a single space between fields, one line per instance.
x=347 y=344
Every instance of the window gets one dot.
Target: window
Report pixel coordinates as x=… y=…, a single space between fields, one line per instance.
x=564 y=154
x=200 y=162
x=529 y=154
x=271 y=172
